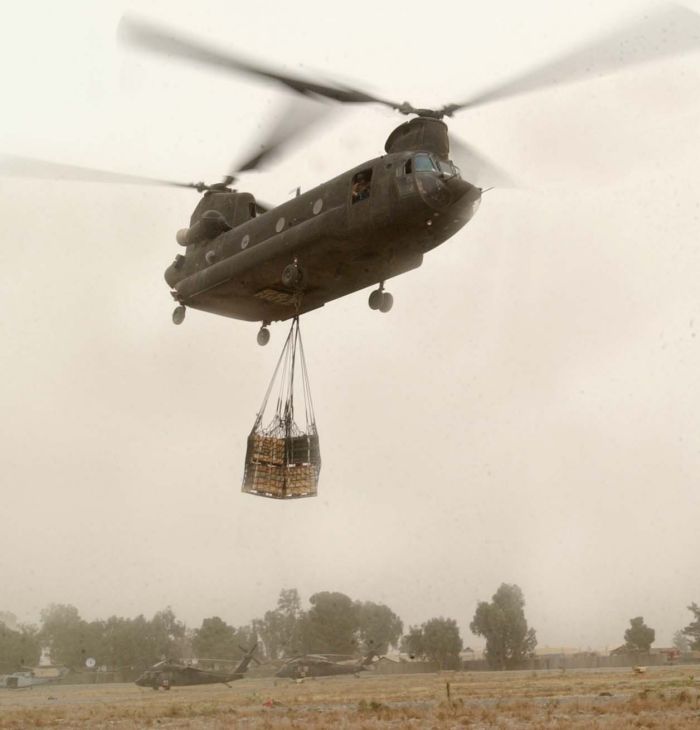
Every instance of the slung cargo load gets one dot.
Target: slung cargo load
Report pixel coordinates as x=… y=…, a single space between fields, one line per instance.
x=283 y=460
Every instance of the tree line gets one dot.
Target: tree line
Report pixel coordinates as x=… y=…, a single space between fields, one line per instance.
x=334 y=623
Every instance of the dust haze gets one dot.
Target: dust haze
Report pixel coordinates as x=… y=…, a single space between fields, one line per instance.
x=527 y=413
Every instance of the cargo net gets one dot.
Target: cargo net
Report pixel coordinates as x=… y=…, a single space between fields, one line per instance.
x=283 y=460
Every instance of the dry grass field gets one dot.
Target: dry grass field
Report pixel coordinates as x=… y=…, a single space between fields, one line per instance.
x=663 y=698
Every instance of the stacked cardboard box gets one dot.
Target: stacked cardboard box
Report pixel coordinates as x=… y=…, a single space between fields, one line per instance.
x=282 y=467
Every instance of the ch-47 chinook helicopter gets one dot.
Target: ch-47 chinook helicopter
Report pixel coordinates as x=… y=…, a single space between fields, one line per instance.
x=252 y=262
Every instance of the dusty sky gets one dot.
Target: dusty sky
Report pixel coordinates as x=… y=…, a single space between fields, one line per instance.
x=527 y=413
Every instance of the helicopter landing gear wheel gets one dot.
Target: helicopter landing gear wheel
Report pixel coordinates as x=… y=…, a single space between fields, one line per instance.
x=263 y=336
x=179 y=314
x=293 y=276
x=380 y=299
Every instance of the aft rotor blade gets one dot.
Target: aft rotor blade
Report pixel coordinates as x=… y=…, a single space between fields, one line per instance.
x=32 y=168
x=476 y=168
x=295 y=119
x=667 y=32
x=263 y=206
x=150 y=37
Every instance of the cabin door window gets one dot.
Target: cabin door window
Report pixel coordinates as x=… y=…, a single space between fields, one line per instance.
x=361 y=186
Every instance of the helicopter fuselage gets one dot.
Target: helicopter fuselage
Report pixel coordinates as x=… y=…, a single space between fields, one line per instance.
x=363 y=227
x=174 y=675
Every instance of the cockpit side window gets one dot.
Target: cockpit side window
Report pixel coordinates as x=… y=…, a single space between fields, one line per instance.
x=361 y=185
x=408 y=166
x=447 y=168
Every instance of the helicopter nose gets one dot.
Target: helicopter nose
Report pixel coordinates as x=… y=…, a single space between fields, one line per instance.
x=443 y=194
x=460 y=188
x=466 y=199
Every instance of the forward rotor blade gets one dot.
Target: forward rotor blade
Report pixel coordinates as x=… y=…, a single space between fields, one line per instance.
x=667 y=32
x=476 y=168
x=155 y=39
x=16 y=166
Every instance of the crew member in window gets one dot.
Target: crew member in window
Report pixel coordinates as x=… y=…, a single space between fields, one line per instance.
x=360 y=187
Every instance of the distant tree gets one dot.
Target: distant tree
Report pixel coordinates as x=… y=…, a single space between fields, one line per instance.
x=288 y=602
x=18 y=648
x=291 y=618
x=139 y=631
x=280 y=629
x=331 y=624
x=412 y=643
x=215 y=640
x=246 y=638
x=269 y=631
x=681 y=641
x=92 y=640
x=437 y=640
x=379 y=626
x=117 y=642
x=70 y=639
x=639 y=637
x=442 y=642
x=692 y=630
x=122 y=643
x=9 y=619
x=183 y=644
x=165 y=634
x=502 y=622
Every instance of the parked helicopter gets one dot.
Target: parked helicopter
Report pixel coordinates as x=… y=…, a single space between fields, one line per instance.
x=167 y=674
x=320 y=665
x=33 y=676
x=375 y=221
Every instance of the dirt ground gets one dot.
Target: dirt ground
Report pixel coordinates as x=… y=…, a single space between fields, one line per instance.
x=662 y=697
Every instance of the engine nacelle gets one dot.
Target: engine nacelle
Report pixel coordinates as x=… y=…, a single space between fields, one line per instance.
x=210 y=225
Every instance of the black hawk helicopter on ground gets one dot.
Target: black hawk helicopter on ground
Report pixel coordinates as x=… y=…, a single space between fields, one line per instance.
x=252 y=262
x=167 y=674
x=321 y=665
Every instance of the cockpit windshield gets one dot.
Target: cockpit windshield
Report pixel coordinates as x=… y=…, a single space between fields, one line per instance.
x=424 y=163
